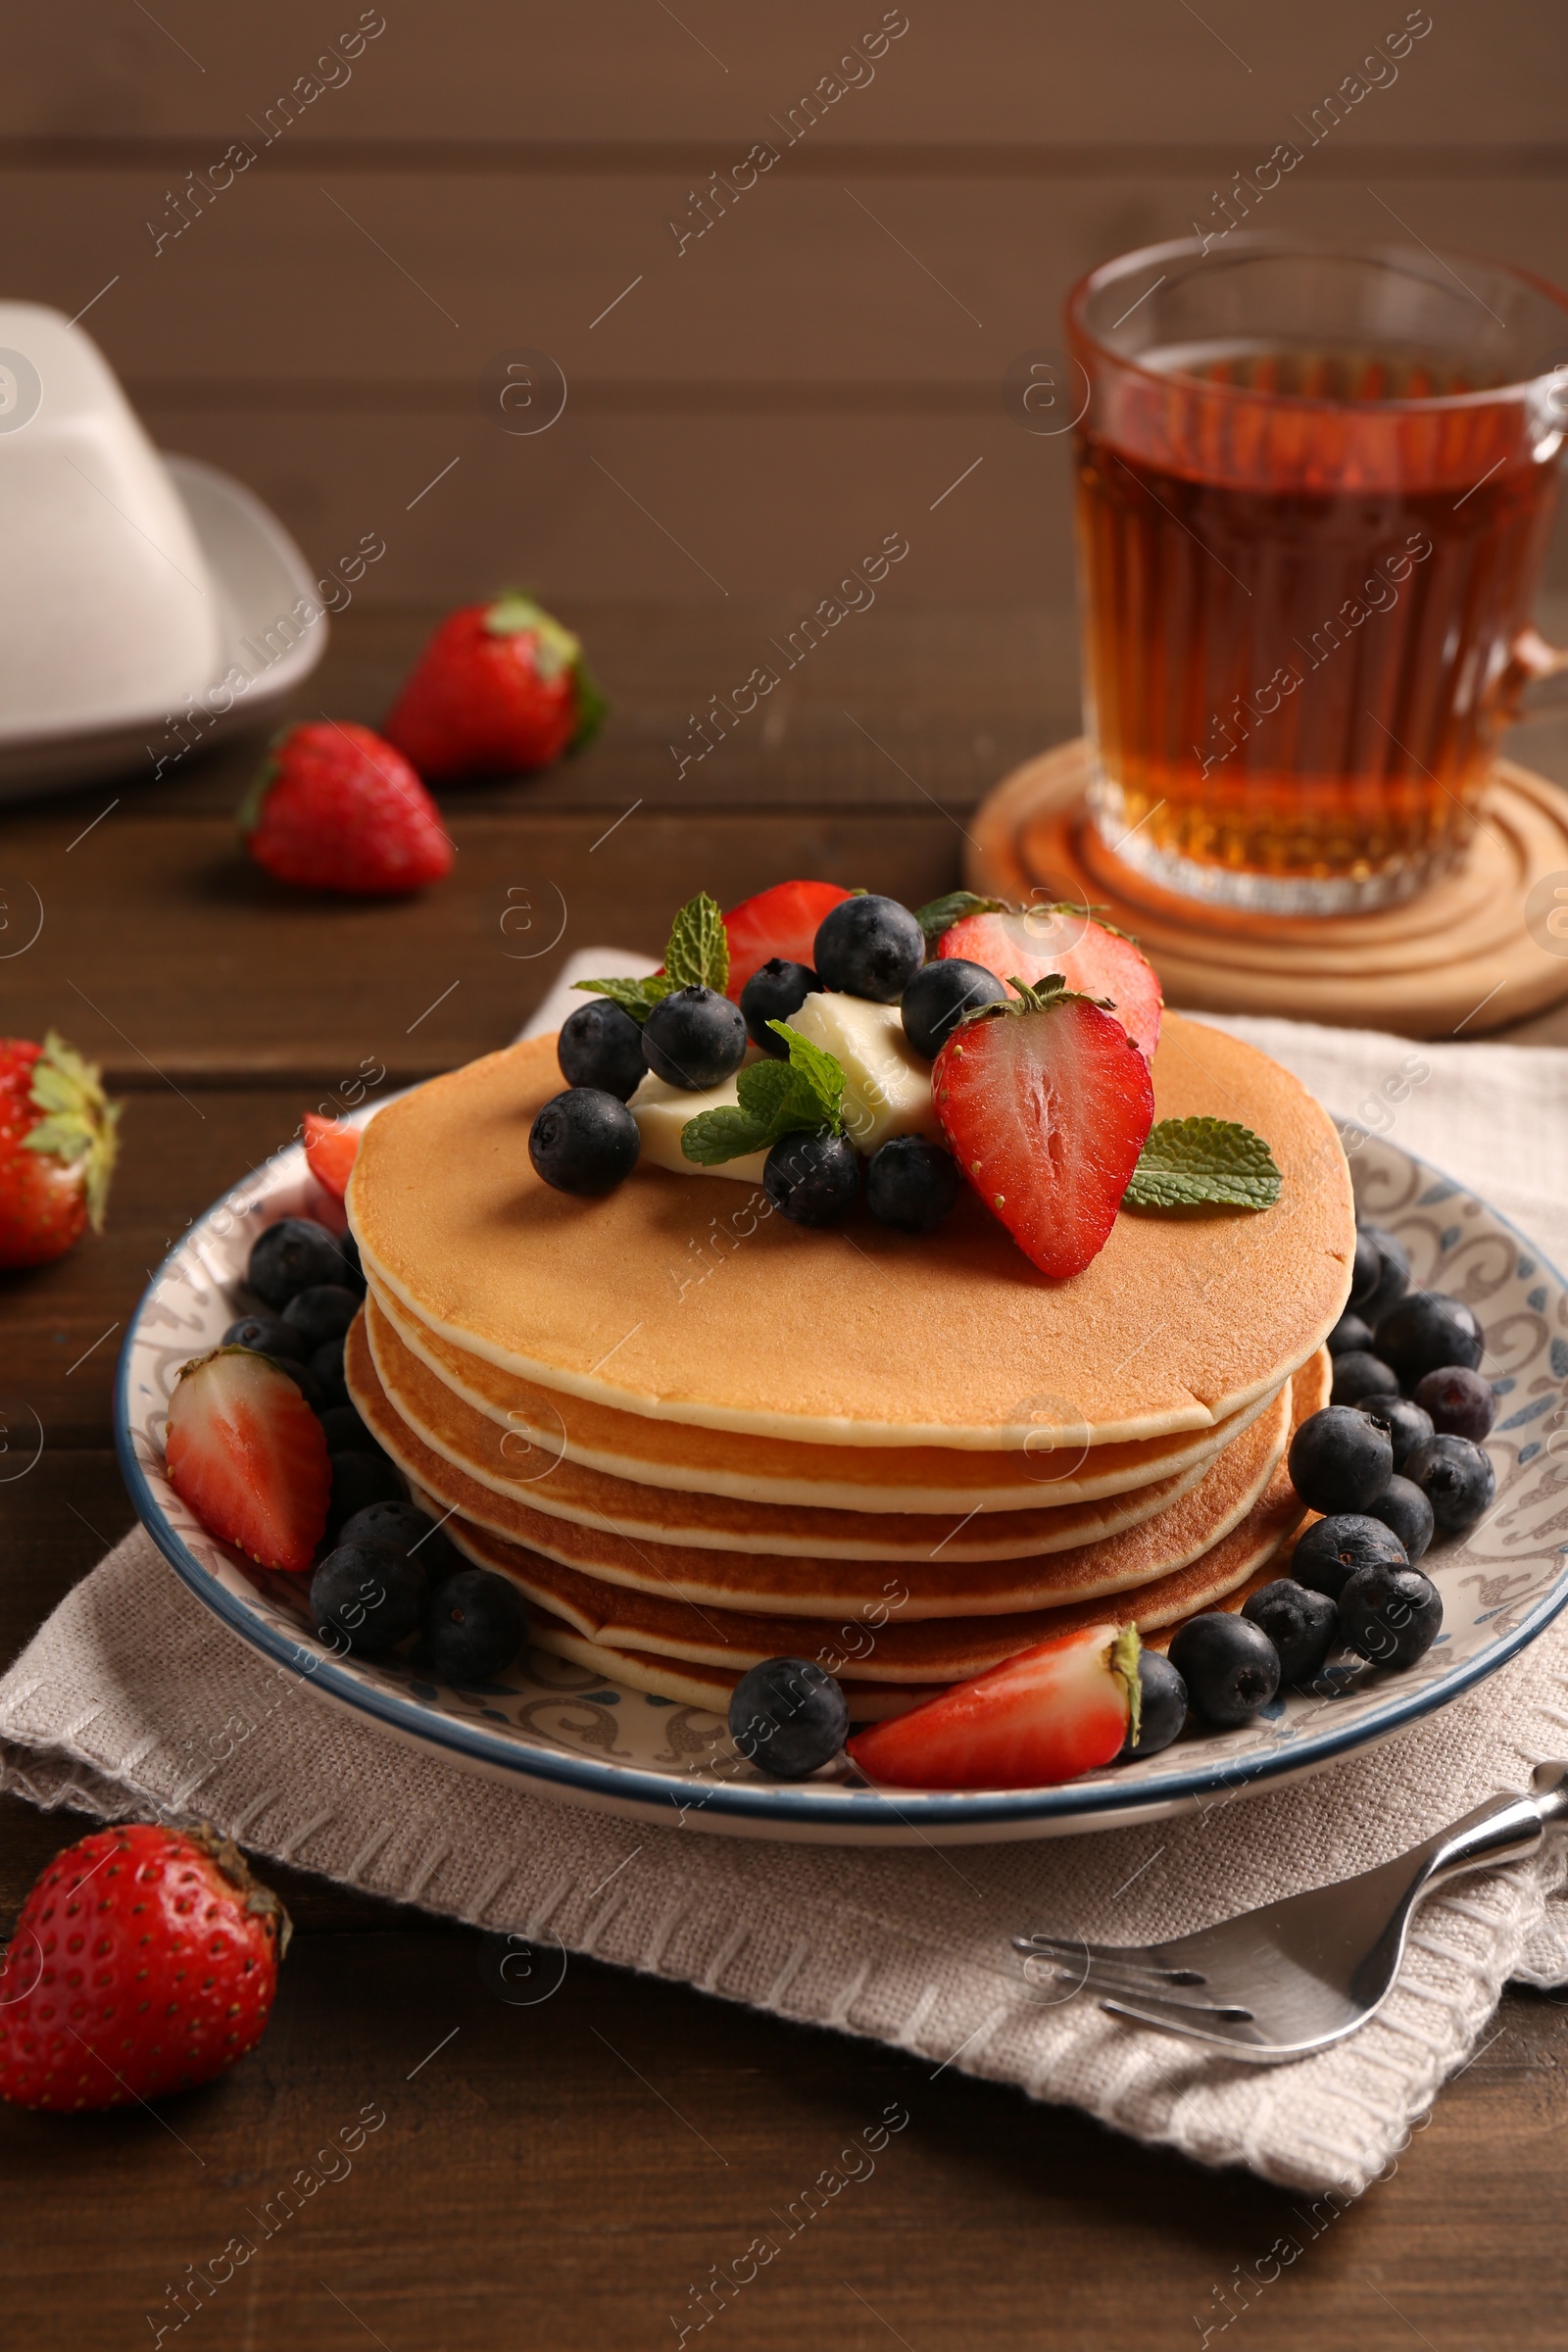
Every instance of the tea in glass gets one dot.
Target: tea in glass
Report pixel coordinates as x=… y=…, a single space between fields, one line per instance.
x=1313 y=494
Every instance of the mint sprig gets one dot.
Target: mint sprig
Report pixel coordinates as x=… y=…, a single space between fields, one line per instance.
x=1203 y=1163
x=696 y=957
x=698 y=954
x=636 y=997
x=773 y=1100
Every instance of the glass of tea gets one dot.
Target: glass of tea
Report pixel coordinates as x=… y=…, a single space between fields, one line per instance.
x=1313 y=493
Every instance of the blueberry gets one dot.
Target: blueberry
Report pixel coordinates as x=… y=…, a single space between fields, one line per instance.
x=291 y=1257
x=788 y=1716
x=1350 y=1337
x=1229 y=1666
x=266 y=1335
x=1389 y=1615
x=1366 y=1270
x=1407 y=1425
x=475 y=1626
x=346 y=1432
x=1357 y=1375
x=1339 y=1460
x=912 y=1184
x=368 y=1593
x=1457 y=1480
x=602 y=1046
x=359 y=1479
x=322 y=1312
x=584 y=1142
x=694 y=1038
x=1162 y=1706
x=945 y=994
x=812 y=1179
x=869 y=946
x=1404 y=1508
x=1393 y=1273
x=1300 y=1622
x=1332 y=1550
x=309 y=1387
x=1426 y=1333
x=326 y=1370
x=1460 y=1402
x=411 y=1529
x=774 y=991
x=355 y=1276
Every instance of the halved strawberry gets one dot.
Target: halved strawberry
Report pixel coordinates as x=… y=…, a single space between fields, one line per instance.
x=330 y=1149
x=781 y=921
x=1040 y=940
x=249 y=1456
x=1047 y=1102
x=1047 y=1715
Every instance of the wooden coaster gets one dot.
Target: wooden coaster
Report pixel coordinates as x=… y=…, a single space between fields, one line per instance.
x=1457 y=957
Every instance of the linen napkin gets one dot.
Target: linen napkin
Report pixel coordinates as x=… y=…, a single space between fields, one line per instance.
x=134 y=1699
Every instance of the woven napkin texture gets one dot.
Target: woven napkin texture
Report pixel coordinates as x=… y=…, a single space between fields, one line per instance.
x=134 y=1699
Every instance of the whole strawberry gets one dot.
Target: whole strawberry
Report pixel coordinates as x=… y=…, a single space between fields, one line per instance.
x=143 y=1961
x=335 y=807
x=499 y=689
x=57 y=1149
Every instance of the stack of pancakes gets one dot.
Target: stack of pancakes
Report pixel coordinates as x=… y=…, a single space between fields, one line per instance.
x=697 y=1435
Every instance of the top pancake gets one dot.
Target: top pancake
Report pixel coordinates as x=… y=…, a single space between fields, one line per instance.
x=858 y=1336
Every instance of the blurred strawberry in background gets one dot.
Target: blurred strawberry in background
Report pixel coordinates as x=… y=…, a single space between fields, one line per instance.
x=335 y=807
x=500 y=689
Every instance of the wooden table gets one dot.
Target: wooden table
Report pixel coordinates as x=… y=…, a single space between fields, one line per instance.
x=532 y=2184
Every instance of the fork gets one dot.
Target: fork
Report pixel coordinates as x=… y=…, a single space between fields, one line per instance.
x=1297 y=1975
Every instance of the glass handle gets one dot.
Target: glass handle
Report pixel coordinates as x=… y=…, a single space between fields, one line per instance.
x=1532 y=660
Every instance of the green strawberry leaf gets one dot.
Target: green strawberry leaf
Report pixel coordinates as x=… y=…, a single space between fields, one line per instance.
x=940 y=914
x=698 y=954
x=1203 y=1164
x=78 y=1124
x=636 y=997
x=592 y=708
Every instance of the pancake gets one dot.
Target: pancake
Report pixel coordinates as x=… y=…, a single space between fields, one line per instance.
x=935 y=1584
x=860 y=1336
x=469 y=1460
x=930 y=1650
x=687 y=1684
x=780 y=1470
x=1243 y=1563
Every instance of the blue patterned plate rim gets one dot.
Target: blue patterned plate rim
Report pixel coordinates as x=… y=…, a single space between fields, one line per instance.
x=821 y=1806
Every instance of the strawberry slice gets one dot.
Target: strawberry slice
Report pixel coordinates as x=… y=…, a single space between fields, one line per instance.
x=1047 y=1715
x=1047 y=1102
x=330 y=1147
x=1041 y=939
x=781 y=921
x=249 y=1456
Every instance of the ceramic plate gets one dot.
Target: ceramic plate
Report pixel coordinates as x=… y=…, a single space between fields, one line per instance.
x=260 y=576
x=563 y=1732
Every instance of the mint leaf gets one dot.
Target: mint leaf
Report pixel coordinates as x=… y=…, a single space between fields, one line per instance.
x=775 y=1098
x=819 y=1074
x=636 y=997
x=698 y=954
x=940 y=914
x=1199 y=1163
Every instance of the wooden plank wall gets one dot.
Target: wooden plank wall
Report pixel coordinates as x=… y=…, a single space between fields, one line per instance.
x=772 y=396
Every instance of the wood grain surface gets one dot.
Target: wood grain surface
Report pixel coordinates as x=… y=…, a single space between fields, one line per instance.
x=751 y=412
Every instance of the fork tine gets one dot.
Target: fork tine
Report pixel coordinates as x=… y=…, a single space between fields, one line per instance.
x=1125 y=1960
x=1225 y=2029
